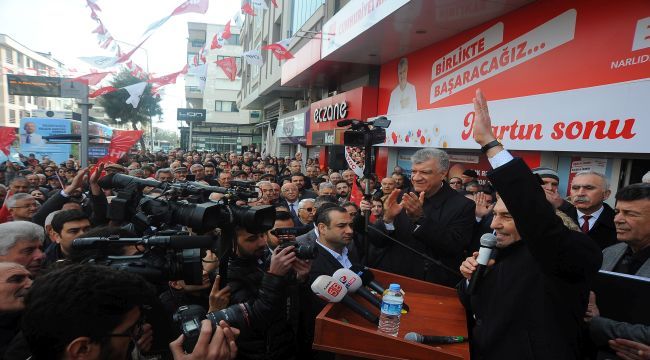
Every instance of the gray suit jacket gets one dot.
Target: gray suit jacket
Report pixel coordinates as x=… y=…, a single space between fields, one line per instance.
x=603 y=329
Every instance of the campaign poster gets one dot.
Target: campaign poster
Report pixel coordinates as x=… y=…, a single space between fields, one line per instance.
x=36 y=138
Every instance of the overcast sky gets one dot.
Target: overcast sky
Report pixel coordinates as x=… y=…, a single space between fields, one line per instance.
x=64 y=28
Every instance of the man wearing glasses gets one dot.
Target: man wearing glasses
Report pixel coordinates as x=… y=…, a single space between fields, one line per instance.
x=22 y=206
x=96 y=312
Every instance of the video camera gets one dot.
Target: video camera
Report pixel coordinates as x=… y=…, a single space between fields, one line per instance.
x=185 y=204
x=364 y=133
x=165 y=258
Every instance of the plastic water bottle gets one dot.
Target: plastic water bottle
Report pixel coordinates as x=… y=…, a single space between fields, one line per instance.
x=391 y=310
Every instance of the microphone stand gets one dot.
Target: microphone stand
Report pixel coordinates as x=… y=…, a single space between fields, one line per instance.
x=427 y=258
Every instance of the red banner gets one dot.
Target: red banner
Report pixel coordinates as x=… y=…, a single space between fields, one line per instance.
x=229 y=67
x=121 y=143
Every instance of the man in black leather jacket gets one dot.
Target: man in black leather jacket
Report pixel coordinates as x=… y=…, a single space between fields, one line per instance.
x=268 y=287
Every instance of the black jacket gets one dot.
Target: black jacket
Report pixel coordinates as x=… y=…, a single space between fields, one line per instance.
x=531 y=302
x=603 y=231
x=271 y=335
x=443 y=232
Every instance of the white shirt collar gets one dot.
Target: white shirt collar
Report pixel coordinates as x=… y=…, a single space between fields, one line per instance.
x=595 y=215
x=342 y=258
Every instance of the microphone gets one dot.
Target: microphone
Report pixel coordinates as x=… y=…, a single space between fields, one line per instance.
x=115 y=180
x=354 y=284
x=348 y=122
x=433 y=340
x=174 y=241
x=488 y=243
x=331 y=290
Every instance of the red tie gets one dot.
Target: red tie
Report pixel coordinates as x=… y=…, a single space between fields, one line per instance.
x=585 y=224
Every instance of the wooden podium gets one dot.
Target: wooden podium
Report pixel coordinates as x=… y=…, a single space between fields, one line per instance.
x=434 y=310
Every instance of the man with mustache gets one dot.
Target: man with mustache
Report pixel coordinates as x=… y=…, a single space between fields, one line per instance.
x=589 y=190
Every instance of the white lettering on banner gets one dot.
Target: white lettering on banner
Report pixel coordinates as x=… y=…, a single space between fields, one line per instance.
x=642 y=35
x=331 y=112
x=468 y=51
x=353 y=19
x=630 y=61
x=612 y=118
x=536 y=42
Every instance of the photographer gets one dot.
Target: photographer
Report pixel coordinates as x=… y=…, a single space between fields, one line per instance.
x=265 y=290
x=95 y=312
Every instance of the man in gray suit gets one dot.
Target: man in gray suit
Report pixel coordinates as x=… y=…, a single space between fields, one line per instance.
x=631 y=256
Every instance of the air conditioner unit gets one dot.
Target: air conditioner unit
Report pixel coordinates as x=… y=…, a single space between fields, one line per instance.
x=52 y=114
x=301 y=104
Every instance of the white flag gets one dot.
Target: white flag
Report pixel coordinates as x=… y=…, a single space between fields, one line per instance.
x=237 y=18
x=253 y=57
x=135 y=93
x=157 y=24
x=100 y=62
x=260 y=3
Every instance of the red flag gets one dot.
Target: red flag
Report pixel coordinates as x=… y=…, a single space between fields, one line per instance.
x=92 y=78
x=248 y=9
x=192 y=6
x=229 y=67
x=126 y=56
x=226 y=31
x=202 y=56
x=167 y=79
x=100 y=29
x=102 y=91
x=91 y=4
x=274 y=3
x=215 y=42
x=122 y=142
x=7 y=137
x=280 y=50
x=195 y=60
x=355 y=195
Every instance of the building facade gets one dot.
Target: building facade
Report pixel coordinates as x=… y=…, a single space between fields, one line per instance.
x=226 y=127
x=19 y=59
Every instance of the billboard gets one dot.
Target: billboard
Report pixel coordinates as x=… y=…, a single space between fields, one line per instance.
x=559 y=76
x=59 y=138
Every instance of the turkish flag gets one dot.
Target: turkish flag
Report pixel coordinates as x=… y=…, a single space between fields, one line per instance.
x=248 y=9
x=92 y=78
x=7 y=137
x=168 y=79
x=229 y=67
x=226 y=31
x=126 y=56
x=121 y=143
x=280 y=50
x=102 y=91
x=192 y=6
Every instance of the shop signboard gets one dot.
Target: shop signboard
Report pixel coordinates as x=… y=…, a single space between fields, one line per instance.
x=559 y=76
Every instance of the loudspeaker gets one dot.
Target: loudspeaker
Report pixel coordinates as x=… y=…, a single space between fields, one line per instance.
x=336 y=158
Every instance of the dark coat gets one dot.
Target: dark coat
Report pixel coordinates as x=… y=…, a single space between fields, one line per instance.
x=531 y=302
x=271 y=335
x=603 y=231
x=443 y=232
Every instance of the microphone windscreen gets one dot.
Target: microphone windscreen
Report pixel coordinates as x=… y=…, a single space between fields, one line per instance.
x=328 y=289
x=488 y=240
x=351 y=280
x=106 y=182
x=413 y=336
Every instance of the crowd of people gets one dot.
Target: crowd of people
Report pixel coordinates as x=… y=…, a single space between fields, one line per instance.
x=58 y=301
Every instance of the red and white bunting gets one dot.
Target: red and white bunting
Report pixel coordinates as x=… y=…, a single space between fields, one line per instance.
x=92 y=4
x=92 y=79
x=168 y=79
x=192 y=6
x=102 y=91
x=226 y=34
x=248 y=9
